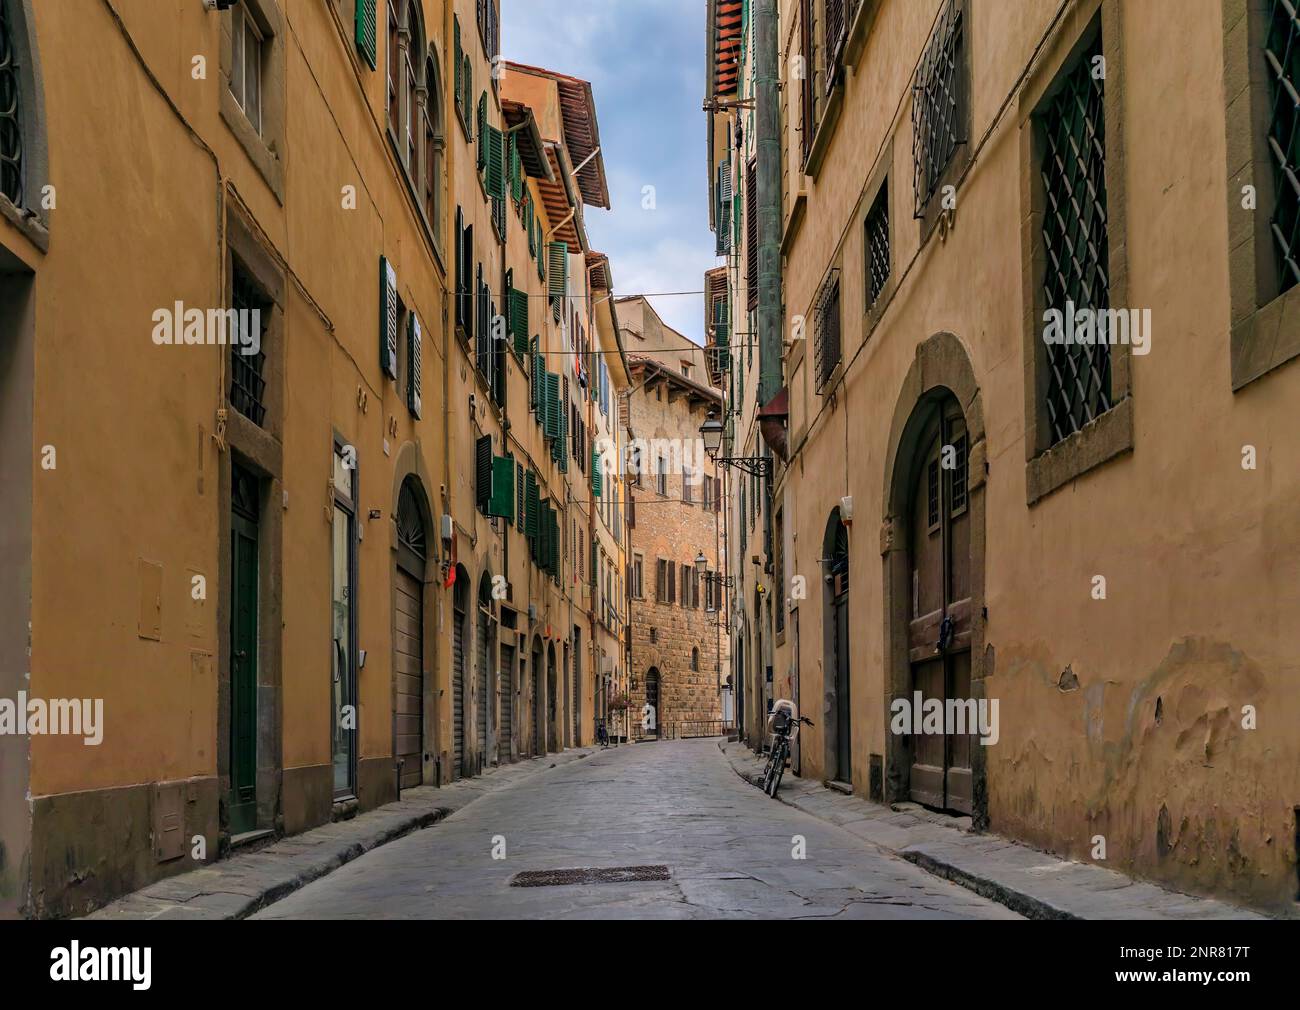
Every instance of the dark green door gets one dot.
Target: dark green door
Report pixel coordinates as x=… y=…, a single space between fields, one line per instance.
x=243 y=671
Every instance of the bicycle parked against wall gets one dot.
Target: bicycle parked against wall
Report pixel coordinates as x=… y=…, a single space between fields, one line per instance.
x=784 y=723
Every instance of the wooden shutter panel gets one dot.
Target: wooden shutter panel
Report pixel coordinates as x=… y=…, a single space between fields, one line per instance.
x=516 y=175
x=483 y=473
x=482 y=132
x=596 y=475
x=541 y=259
x=751 y=233
x=519 y=320
x=458 y=51
x=521 y=520
x=558 y=262
x=672 y=581
x=496 y=170
x=467 y=103
x=415 y=373
x=552 y=427
x=537 y=371
x=531 y=504
x=388 y=318
x=502 y=502
x=367 y=27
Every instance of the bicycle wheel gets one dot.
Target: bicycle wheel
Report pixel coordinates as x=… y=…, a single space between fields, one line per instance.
x=767 y=771
x=778 y=769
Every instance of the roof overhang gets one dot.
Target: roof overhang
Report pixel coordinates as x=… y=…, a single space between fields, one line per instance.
x=651 y=372
x=562 y=202
x=581 y=132
x=528 y=138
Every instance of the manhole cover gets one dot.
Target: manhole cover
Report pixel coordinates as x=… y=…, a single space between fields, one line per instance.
x=589 y=875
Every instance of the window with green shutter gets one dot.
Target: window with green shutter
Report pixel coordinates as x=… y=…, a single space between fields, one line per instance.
x=502 y=498
x=387 y=318
x=415 y=365
x=483 y=473
x=531 y=504
x=467 y=102
x=595 y=473
x=552 y=397
x=519 y=321
x=458 y=51
x=522 y=520
x=367 y=27
x=557 y=255
x=516 y=173
x=536 y=369
x=496 y=176
x=541 y=260
x=482 y=132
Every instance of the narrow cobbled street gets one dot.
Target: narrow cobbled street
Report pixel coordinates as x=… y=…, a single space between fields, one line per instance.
x=728 y=850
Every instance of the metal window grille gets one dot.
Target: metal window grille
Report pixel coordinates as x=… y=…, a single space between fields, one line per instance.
x=839 y=21
x=807 y=86
x=247 y=379
x=1282 y=52
x=939 y=104
x=11 y=132
x=960 y=455
x=877 y=228
x=1075 y=238
x=932 y=495
x=826 y=316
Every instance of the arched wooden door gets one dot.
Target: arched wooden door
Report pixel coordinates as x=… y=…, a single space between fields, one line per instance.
x=408 y=636
x=460 y=606
x=652 y=699
x=836 y=640
x=939 y=625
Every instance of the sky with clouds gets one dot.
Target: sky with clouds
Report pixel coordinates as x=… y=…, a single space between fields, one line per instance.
x=645 y=62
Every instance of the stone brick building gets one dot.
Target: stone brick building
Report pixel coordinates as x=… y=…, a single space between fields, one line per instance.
x=679 y=650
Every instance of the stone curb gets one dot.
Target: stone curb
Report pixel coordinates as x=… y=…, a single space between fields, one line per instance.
x=245 y=883
x=1034 y=884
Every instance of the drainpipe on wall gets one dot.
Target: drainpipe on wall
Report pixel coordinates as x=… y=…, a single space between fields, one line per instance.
x=768 y=144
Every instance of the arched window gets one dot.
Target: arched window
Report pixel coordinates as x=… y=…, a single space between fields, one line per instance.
x=11 y=111
x=433 y=143
x=404 y=22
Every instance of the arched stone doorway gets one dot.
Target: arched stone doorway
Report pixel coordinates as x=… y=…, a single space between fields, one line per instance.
x=934 y=576
x=552 y=723
x=459 y=634
x=413 y=742
x=838 y=735
x=652 y=684
x=485 y=650
x=535 y=701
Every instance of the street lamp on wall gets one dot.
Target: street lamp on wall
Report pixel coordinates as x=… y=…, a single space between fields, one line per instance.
x=711 y=433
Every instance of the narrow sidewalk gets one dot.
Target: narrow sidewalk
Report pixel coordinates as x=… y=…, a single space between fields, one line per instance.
x=1033 y=883
x=236 y=887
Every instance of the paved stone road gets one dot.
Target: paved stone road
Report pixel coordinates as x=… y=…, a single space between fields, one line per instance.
x=728 y=849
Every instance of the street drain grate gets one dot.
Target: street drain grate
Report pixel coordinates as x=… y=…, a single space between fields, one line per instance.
x=589 y=875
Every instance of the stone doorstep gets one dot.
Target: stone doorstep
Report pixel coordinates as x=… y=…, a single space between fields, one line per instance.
x=1035 y=884
x=248 y=881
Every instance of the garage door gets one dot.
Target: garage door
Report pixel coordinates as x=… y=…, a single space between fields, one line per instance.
x=408 y=634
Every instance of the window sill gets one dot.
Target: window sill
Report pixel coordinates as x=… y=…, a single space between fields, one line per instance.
x=795 y=221
x=825 y=130
x=1266 y=339
x=1105 y=438
x=259 y=151
x=29 y=224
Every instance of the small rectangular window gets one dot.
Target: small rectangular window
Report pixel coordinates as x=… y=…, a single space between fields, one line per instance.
x=247 y=378
x=877 y=242
x=939 y=103
x=826 y=320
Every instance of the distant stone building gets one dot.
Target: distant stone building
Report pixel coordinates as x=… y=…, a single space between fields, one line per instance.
x=679 y=650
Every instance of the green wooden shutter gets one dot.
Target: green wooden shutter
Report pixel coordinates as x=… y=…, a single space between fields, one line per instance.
x=519 y=320
x=558 y=256
x=522 y=521
x=387 y=318
x=552 y=427
x=531 y=504
x=562 y=443
x=482 y=132
x=415 y=373
x=535 y=371
x=467 y=103
x=459 y=70
x=483 y=473
x=541 y=259
x=596 y=476
x=516 y=172
x=366 y=29
x=496 y=174
x=502 y=501
x=528 y=227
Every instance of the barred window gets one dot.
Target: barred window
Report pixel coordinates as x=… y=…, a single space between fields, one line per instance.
x=939 y=103
x=826 y=321
x=1282 y=53
x=1076 y=243
x=877 y=239
x=11 y=126
x=247 y=378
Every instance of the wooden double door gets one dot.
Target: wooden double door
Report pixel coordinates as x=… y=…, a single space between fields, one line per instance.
x=939 y=625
